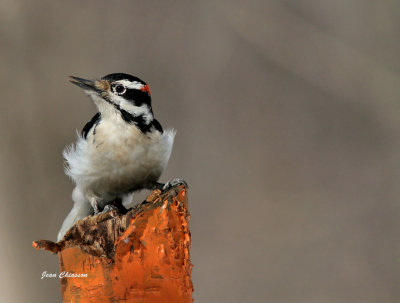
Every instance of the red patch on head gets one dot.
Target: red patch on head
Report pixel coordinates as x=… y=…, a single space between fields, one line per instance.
x=146 y=88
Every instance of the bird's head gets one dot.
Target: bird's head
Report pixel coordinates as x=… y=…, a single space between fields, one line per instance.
x=122 y=92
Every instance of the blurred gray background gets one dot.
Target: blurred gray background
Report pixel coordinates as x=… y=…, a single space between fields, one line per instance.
x=288 y=119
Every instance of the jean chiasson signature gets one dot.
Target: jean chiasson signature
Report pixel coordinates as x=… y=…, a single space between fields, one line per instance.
x=63 y=274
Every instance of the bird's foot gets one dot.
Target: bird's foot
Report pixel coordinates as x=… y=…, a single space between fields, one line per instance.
x=117 y=205
x=163 y=187
x=173 y=183
x=108 y=208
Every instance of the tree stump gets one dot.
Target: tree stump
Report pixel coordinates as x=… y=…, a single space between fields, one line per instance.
x=140 y=256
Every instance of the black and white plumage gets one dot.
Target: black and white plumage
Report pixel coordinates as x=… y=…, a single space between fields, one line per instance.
x=122 y=149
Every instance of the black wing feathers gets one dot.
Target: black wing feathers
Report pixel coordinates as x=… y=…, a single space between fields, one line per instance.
x=86 y=129
x=157 y=126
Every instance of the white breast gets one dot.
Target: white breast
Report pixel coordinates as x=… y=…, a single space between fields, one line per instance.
x=118 y=158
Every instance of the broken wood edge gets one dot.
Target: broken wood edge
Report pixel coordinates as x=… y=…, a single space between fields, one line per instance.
x=96 y=235
x=142 y=255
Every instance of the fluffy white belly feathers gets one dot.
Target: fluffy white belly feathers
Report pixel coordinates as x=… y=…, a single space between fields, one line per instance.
x=117 y=162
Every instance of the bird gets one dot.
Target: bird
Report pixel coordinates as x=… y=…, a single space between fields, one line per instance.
x=122 y=149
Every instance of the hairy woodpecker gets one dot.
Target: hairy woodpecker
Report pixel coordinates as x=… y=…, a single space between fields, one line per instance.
x=122 y=149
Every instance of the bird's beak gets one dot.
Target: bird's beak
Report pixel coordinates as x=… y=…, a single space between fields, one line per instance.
x=87 y=85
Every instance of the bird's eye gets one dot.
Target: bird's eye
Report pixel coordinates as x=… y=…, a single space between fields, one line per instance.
x=120 y=89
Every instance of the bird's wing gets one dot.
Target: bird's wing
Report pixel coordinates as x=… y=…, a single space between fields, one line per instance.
x=86 y=129
x=157 y=126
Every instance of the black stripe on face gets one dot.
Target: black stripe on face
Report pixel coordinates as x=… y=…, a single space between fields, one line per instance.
x=137 y=97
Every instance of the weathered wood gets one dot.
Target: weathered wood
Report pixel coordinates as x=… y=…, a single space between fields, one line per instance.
x=140 y=256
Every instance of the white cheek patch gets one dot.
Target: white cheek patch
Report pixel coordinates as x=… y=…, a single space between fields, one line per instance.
x=129 y=84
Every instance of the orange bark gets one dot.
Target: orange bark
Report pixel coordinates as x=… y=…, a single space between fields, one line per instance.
x=142 y=256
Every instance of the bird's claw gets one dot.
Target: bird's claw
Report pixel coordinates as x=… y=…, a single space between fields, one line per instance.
x=173 y=183
x=108 y=208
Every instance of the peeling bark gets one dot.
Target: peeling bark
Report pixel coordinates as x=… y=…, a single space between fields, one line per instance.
x=140 y=256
